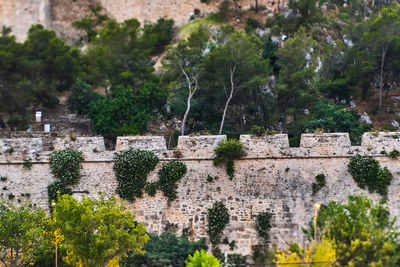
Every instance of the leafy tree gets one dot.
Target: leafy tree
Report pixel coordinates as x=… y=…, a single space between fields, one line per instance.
x=166 y=249
x=307 y=9
x=127 y=111
x=92 y=21
x=382 y=33
x=97 y=231
x=295 y=89
x=362 y=232
x=200 y=259
x=182 y=67
x=236 y=65
x=20 y=233
x=81 y=97
x=323 y=251
x=34 y=72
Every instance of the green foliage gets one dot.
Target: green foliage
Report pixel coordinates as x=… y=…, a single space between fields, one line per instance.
x=237 y=259
x=218 y=218
x=394 y=154
x=151 y=189
x=295 y=90
x=319 y=183
x=27 y=164
x=98 y=230
x=251 y=25
x=263 y=225
x=169 y=175
x=66 y=165
x=21 y=232
x=91 y=22
x=227 y=151
x=257 y=130
x=80 y=98
x=362 y=232
x=33 y=72
x=139 y=104
x=131 y=169
x=55 y=189
x=368 y=174
x=329 y=118
x=201 y=259
x=166 y=249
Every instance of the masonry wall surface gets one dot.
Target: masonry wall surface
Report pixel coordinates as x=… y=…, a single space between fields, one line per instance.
x=272 y=177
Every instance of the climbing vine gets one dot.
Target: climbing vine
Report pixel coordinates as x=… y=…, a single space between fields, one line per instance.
x=368 y=174
x=218 y=218
x=319 y=183
x=227 y=151
x=66 y=167
x=169 y=174
x=131 y=169
x=263 y=225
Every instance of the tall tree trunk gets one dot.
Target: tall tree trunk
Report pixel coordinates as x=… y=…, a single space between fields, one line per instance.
x=384 y=50
x=256 y=6
x=186 y=113
x=236 y=8
x=233 y=88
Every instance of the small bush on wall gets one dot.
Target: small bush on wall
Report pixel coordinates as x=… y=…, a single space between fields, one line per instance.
x=66 y=165
x=227 y=151
x=368 y=174
x=131 y=169
x=263 y=225
x=319 y=183
x=169 y=174
x=218 y=218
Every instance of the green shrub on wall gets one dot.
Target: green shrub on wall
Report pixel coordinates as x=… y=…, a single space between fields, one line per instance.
x=368 y=174
x=169 y=174
x=66 y=165
x=131 y=169
x=227 y=151
x=57 y=188
x=319 y=183
x=263 y=225
x=218 y=218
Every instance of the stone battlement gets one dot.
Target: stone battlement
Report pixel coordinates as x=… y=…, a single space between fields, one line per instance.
x=202 y=147
x=273 y=177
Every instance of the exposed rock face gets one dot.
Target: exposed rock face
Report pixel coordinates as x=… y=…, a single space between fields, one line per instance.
x=272 y=177
x=59 y=14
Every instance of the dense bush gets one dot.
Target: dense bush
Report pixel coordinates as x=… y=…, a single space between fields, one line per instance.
x=167 y=249
x=227 y=151
x=57 y=188
x=201 y=258
x=319 y=183
x=80 y=98
x=218 y=218
x=368 y=174
x=66 y=165
x=131 y=169
x=263 y=225
x=169 y=174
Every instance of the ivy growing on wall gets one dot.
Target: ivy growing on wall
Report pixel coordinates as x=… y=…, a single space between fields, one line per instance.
x=319 y=183
x=218 y=218
x=263 y=225
x=131 y=169
x=66 y=167
x=169 y=174
x=368 y=174
x=227 y=151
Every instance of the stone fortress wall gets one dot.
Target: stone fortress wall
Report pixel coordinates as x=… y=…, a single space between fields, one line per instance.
x=59 y=14
x=272 y=177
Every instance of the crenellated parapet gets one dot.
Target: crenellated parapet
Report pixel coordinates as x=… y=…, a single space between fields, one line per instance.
x=202 y=147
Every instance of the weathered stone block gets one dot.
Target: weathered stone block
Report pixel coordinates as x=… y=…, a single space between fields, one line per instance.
x=199 y=146
x=151 y=143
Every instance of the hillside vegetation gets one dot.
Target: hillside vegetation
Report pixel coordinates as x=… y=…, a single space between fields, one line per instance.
x=313 y=68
